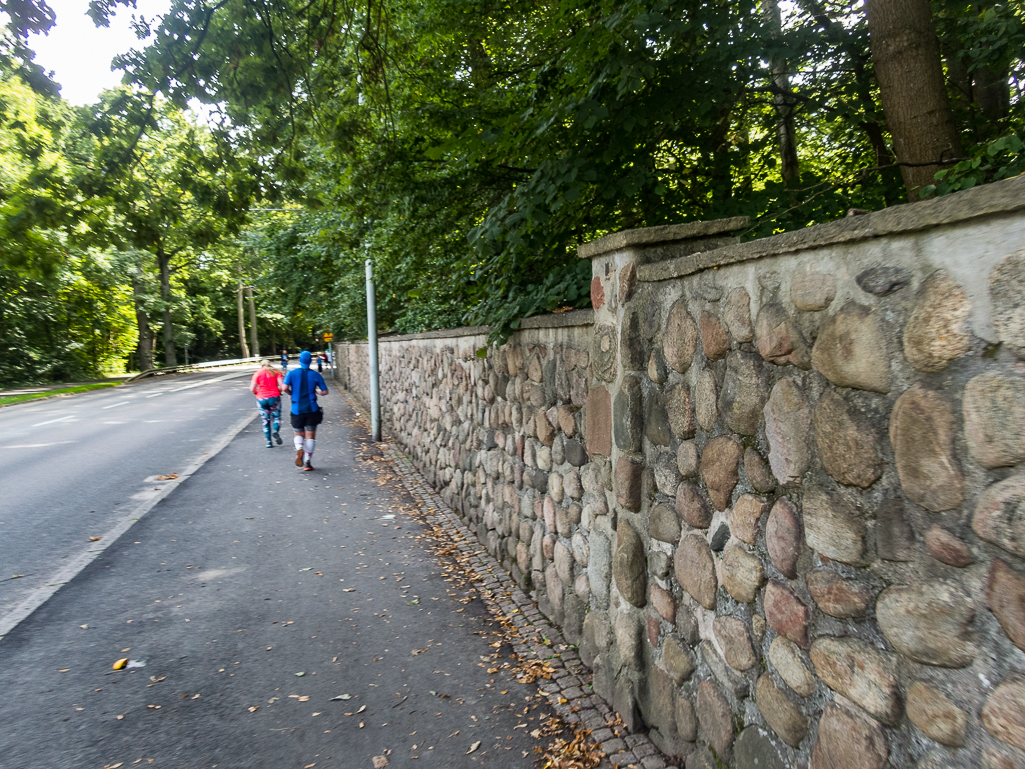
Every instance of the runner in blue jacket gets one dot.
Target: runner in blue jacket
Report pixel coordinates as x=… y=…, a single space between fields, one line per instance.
x=304 y=385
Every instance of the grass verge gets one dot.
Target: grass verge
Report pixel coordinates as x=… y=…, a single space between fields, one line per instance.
x=11 y=399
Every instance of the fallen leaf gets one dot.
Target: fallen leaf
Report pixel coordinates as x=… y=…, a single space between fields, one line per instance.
x=168 y=477
x=473 y=747
x=342 y=697
x=153 y=707
x=361 y=709
x=304 y=698
x=156 y=680
x=344 y=589
x=380 y=762
x=97 y=539
x=120 y=664
x=119 y=718
x=84 y=627
x=300 y=674
x=309 y=766
x=316 y=714
x=254 y=708
x=64 y=670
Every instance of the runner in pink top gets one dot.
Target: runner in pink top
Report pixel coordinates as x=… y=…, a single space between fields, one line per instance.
x=266 y=386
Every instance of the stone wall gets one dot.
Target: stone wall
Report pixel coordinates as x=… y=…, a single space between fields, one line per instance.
x=775 y=491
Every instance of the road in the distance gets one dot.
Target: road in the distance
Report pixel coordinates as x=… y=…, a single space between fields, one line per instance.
x=68 y=465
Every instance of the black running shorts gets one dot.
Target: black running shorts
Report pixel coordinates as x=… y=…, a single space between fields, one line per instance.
x=301 y=422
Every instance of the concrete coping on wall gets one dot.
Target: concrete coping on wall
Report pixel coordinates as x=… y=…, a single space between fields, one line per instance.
x=552 y=320
x=651 y=241
x=560 y=320
x=1001 y=197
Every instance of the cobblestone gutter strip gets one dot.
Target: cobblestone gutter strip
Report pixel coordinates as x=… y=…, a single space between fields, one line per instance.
x=569 y=691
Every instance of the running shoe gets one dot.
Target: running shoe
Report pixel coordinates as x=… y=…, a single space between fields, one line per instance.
x=307 y=468
x=269 y=444
x=277 y=437
x=299 y=458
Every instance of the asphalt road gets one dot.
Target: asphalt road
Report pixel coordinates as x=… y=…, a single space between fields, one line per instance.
x=72 y=466
x=286 y=620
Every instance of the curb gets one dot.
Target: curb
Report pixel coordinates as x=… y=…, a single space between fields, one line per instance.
x=128 y=518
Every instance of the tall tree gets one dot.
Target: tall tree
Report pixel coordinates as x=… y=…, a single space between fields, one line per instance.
x=906 y=54
x=782 y=98
x=170 y=188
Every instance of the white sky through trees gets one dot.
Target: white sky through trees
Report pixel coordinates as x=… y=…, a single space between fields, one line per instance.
x=79 y=53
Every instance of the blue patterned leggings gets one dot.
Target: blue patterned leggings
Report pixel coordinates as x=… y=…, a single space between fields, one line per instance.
x=270 y=413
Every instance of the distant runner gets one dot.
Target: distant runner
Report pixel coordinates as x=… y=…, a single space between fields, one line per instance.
x=266 y=386
x=304 y=386
x=284 y=360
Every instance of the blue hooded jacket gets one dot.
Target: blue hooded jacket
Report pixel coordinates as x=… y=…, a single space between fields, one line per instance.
x=304 y=383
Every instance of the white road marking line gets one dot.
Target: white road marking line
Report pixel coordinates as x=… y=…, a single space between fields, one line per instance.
x=114 y=405
x=154 y=395
x=58 y=419
x=221 y=378
x=36 y=445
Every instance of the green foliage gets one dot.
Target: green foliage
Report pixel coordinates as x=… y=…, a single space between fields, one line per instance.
x=999 y=159
x=76 y=324
x=8 y=400
x=468 y=148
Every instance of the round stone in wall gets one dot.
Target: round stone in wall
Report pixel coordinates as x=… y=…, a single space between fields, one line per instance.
x=1004 y=714
x=780 y=713
x=628 y=565
x=695 y=569
x=848 y=444
x=922 y=429
x=705 y=397
x=1007 y=297
x=742 y=574
x=929 y=622
x=786 y=658
x=936 y=332
x=935 y=715
x=811 y=291
x=737 y=314
x=680 y=337
x=851 y=350
x=994 y=419
x=1000 y=515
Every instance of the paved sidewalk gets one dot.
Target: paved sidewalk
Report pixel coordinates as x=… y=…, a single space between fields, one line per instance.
x=285 y=619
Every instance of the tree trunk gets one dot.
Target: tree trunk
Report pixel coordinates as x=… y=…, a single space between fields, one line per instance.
x=906 y=54
x=242 y=323
x=781 y=99
x=164 y=262
x=142 y=321
x=254 y=339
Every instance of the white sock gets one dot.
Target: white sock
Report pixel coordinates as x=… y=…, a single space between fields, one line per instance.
x=297 y=441
x=310 y=443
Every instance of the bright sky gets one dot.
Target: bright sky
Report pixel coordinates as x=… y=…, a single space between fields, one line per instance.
x=79 y=53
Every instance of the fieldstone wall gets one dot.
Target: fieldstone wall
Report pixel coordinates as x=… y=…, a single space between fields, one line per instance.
x=775 y=491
